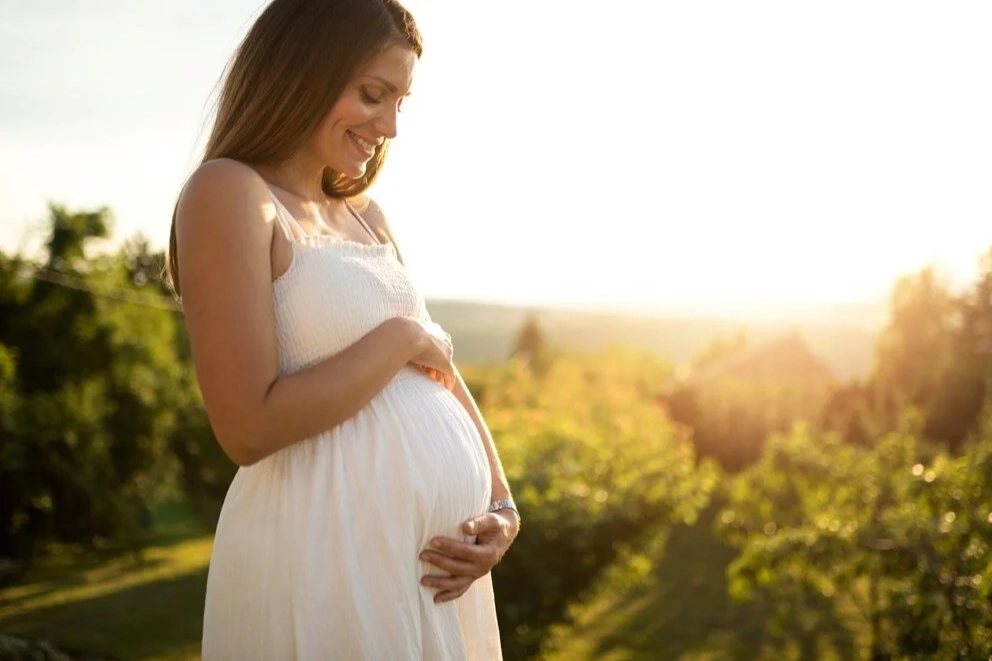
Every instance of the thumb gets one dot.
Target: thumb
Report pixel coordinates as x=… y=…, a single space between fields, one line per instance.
x=479 y=524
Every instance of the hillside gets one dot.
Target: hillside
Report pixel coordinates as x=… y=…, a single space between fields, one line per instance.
x=485 y=333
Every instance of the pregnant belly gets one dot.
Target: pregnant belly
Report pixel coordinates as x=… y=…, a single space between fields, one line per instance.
x=330 y=529
x=407 y=467
x=427 y=449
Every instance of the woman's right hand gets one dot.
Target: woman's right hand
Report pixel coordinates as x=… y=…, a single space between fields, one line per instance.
x=436 y=355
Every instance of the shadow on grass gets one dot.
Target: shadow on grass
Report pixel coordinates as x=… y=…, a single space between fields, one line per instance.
x=162 y=616
x=150 y=620
x=64 y=566
x=47 y=580
x=685 y=611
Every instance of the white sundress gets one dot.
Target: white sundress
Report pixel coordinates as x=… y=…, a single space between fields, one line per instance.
x=315 y=557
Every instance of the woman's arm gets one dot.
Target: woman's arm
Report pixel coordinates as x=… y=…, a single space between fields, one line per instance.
x=224 y=224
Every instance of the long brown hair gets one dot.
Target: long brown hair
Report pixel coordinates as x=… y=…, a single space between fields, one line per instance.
x=291 y=67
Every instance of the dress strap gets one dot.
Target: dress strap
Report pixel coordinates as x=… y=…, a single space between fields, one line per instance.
x=354 y=212
x=289 y=225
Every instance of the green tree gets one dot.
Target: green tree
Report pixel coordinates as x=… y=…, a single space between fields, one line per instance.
x=720 y=349
x=935 y=356
x=916 y=350
x=823 y=525
x=856 y=411
x=733 y=403
x=953 y=411
x=91 y=367
x=530 y=347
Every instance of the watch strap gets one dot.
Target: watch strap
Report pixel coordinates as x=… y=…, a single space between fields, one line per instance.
x=505 y=504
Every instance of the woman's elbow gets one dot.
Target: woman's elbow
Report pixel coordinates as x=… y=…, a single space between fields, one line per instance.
x=242 y=446
x=240 y=452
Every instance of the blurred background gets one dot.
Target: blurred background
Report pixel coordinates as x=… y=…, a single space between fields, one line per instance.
x=719 y=275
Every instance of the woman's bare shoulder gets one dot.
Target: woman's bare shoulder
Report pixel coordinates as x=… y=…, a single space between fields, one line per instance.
x=376 y=218
x=222 y=181
x=224 y=231
x=223 y=194
x=373 y=214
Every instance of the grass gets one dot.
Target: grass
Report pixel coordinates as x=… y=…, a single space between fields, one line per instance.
x=671 y=604
x=143 y=607
x=680 y=609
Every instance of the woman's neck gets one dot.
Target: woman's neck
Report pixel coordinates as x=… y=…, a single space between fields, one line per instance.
x=301 y=177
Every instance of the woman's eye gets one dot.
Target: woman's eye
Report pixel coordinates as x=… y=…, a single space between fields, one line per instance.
x=369 y=98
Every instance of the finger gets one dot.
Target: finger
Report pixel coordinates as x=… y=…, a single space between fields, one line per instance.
x=481 y=524
x=435 y=375
x=446 y=583
x=480 y=554
x=452 y=565
x=450 y=595
x=445 y=379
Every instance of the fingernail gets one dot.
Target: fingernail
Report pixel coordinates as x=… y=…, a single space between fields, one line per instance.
x=436 y=543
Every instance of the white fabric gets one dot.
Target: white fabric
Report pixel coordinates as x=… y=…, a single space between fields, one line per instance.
x=316 y=551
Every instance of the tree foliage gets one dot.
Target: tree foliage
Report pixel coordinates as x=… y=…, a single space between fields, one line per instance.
x=736 y=396
x=596 y=468
x=884 y=521
x=903 y=543
x=934 y=357
x=88 y=379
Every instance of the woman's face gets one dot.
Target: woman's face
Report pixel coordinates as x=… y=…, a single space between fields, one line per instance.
x=365 y=115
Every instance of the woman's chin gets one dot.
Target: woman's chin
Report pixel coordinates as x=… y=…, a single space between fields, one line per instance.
x=353 y=170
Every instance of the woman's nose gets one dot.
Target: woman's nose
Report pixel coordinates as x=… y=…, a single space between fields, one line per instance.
x=386 y=122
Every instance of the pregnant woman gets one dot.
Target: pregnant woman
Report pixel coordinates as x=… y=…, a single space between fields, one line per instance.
x=370 y=504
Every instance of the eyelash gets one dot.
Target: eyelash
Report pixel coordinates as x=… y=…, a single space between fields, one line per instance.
x=368 y=98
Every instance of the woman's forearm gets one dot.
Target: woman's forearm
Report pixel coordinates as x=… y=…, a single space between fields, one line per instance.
x=303 y=404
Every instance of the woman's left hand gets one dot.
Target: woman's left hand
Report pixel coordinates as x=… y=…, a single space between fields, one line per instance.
x=465 y=563
x=446 y=383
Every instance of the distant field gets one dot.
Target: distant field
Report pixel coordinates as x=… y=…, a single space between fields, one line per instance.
x=485 y=333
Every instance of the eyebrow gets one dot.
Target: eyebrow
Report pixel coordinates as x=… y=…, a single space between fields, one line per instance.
x=388 y=85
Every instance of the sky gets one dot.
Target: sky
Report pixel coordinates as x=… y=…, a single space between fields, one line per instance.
x=654 y=156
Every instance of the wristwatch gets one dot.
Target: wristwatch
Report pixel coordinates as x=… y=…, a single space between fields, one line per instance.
x=505 y=504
